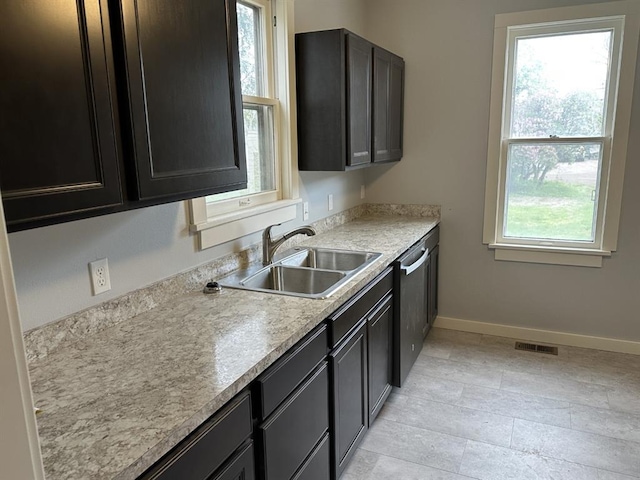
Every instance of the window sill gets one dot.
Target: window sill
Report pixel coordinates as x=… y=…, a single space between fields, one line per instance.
x=579 y=257
x=231 y=226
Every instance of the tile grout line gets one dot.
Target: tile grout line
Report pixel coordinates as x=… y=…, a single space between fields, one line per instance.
x=462 y=457
x=513 y=427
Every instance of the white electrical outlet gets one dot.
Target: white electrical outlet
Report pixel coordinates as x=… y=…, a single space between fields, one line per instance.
x=305 y=211
x=361 y=191
x=100 y=276
x=330 y=200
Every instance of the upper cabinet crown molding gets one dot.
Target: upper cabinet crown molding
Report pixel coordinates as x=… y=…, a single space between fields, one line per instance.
x=350 y=101
x=114 y=105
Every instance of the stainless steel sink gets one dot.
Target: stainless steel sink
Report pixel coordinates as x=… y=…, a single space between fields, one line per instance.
x=305 y=281
x=304 y=272
x=329 y=259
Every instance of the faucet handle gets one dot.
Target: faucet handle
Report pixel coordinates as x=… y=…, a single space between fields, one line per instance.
x=267 y=231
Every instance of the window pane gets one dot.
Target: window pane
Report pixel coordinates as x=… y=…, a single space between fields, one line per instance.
x=259 y=144
x=249 y=35
x=560 y=85
x=552 y=191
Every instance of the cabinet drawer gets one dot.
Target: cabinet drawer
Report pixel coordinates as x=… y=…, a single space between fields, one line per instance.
x=347 y=316
x=206 y=449
x=317 y=465
x=291 y=433
x=289 y=371
x=240 y=467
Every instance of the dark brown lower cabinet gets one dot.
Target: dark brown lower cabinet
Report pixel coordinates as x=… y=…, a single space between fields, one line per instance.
x=432 y=240
x=292 y=432
x=349 y=398
x=220 y=449
x=379 y=330
x=432 y=284
x=292 y=406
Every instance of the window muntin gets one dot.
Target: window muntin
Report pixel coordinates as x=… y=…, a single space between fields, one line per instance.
x=560 y=92
x=259 y=111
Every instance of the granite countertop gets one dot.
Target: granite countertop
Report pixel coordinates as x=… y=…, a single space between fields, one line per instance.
x=114 y=403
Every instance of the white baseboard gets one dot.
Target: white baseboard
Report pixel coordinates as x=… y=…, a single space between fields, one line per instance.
x=535 y=335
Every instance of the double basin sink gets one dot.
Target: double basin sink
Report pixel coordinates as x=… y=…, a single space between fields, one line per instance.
x=305 y=272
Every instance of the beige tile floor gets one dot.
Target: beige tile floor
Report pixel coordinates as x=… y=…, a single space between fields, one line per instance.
x=473 y=407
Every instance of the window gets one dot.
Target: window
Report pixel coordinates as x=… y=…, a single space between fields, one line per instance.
x=561 y=83
x=271 y=193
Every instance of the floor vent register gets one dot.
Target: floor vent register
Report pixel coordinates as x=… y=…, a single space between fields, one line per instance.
x=532 y=347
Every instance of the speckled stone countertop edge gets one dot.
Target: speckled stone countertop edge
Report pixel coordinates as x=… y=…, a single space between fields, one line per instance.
x=320 y=310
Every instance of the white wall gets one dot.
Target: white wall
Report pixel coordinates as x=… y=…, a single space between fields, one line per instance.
x=147 y=245
x=447 y=46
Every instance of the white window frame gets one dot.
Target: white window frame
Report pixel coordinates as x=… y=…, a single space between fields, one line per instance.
x=219 y=222
x=624 y=15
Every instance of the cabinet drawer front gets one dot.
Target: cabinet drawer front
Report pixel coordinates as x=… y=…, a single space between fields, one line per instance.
x=290 y=370
x=202 y=452
x=240 y=467
x=295 y=428
x=346 y=317
x=317 y=465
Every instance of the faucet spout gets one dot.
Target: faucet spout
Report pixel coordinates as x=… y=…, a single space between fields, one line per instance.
x=269 y=245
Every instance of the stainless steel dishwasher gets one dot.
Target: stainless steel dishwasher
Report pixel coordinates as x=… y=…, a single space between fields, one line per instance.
x=411 y=309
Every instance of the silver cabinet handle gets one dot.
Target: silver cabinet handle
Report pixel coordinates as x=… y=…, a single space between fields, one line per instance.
x=409 y=269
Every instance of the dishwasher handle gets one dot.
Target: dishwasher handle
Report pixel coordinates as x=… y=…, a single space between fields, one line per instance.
x=409 y=269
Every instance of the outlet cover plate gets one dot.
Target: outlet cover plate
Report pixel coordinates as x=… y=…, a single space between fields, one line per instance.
x=100 y=280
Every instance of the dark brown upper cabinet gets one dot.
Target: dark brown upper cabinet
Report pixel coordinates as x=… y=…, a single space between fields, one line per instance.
x=184 y=105
x=350 y=102
x=112 y=105
x=388 y=101
x=58 y=150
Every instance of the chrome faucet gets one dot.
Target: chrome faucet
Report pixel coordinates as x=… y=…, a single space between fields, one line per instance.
x=269 y=246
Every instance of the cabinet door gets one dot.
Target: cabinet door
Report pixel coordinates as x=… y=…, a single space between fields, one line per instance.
x=426 y=322
x=379 y=333
x=432 y=287
x=349 y=399
x=388 y=106
x=58 y=151
x=359 y=75
x=184 y=98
